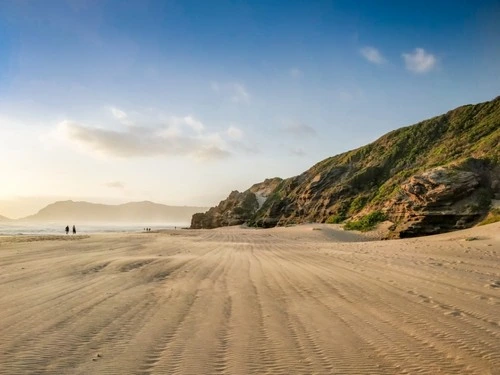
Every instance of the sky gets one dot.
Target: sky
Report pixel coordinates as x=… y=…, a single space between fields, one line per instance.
x=181 y=102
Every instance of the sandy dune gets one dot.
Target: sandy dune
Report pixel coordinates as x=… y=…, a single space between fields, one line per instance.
x=244 y=301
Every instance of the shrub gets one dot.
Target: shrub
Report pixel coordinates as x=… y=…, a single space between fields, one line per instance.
x=336 y=219
x=357 y=204
x=367 y=222
x=493 y=217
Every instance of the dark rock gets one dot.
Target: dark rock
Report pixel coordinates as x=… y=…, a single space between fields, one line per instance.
x=237 y=209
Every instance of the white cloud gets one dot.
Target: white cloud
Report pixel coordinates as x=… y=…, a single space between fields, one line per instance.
x=193 y=123
x=234 y=91
x=234 y=132
x=295 y=73
x=239 y=142
x=299 y=130
x=121 y=116
x=419 y=61
x=118 y=113
x=181 y=136
x=176 y=126
x=373 y=55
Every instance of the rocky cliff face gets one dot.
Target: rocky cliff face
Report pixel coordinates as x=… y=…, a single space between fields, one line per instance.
x=442 y=199
x=238 y=208
x=398 y=174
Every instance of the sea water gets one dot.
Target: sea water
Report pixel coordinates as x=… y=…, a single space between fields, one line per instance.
x=15 y=229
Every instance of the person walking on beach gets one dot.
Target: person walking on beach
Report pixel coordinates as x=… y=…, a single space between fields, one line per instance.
x=74 y=229
x=67 y=229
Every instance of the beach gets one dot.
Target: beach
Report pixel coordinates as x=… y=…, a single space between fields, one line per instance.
x=309 y=299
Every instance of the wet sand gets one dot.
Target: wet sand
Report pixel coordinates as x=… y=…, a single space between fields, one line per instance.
x=301 y=300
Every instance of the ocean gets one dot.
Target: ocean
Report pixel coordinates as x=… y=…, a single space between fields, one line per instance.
x=18 y=229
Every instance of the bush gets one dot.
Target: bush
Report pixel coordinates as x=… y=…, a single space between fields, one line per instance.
x=493 y=217
x=357 y=204
x=367 y=222
x=336 y=219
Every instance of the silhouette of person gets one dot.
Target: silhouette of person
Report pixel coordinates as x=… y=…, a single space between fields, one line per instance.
x=67 y=229
x=74 y=229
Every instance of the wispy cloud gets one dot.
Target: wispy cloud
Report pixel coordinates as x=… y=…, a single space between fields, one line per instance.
x=118 y=113
x=180 y=136
x=234 y=133
x=295 y=73
x=115 y=185
x=297 y=151
x=419 y=61
x=122 y=116
x=240 y=94
x=299 y=130
x=373 y=55
x=240 y=142
x=234 y=91
x=192 y=123
x=210 y=152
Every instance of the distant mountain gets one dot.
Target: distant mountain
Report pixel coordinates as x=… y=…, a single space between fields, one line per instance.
x=438 y=175
x=3 y=218
x=136 y=212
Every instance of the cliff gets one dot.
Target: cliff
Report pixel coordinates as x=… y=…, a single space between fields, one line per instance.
x=438 y=175
x=238 y=208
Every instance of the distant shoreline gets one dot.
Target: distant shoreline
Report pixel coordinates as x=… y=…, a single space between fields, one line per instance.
x=16 y=229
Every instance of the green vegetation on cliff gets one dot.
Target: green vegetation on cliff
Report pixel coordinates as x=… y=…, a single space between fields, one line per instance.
x=367 y=222
x=364 y=179
x=493 y=217
x=350 y=185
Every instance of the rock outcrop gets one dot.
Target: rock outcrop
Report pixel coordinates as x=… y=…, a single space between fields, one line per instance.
x=441 y=199
x=397 y=174
x=238 y=208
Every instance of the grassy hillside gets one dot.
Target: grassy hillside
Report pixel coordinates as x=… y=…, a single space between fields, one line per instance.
x=343 y=185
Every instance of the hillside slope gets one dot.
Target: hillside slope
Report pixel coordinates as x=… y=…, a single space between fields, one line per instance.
x=3 y=218
x=434 y=176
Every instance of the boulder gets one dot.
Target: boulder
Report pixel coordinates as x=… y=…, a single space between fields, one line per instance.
x=438 y=200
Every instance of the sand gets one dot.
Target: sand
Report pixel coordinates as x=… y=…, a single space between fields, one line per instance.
x=301 y=300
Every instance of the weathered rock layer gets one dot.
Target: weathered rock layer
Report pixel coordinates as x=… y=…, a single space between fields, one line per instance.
x=440 y=199
x=236 y=209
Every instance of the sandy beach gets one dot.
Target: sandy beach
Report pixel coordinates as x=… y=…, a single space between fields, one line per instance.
x=301 y=300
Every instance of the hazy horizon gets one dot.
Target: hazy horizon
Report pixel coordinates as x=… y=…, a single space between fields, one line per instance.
x=181 y=102
x=24 y=206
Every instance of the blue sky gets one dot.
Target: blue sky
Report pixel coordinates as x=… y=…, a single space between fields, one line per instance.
x=181 y=102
